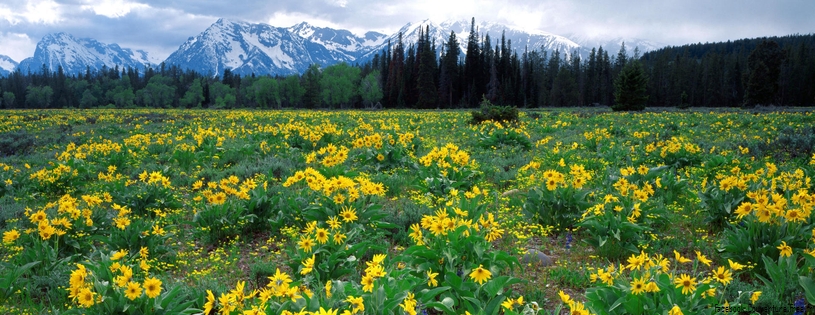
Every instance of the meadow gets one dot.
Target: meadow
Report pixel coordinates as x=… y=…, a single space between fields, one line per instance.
x=151 y=211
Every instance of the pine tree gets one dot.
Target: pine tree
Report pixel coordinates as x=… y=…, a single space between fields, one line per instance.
x=630 y=88
x=450 y=70
x=764 y=65
x=472 y=67
x=395 y=86
x=426 y=79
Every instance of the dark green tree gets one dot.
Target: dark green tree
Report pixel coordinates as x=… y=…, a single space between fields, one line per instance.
x=630 y=91
x=449 y=80
x=8 y=99
x=311 y=84
x=426 y=80
x=764 y=68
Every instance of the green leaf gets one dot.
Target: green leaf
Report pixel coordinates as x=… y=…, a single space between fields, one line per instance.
x=809 y=288
x=430 y=294
x=438 y=305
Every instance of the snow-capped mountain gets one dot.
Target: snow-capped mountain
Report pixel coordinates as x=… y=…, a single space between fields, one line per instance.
x=518 y=38
x=76 y=54
x=7 y=65
x=248 y=48
x=341 y=45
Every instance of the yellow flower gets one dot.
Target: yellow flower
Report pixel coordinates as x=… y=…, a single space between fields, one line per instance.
x=328 y=289
x=379 y=258
x=322 y=235
x=334 y=222
x=480 y=274
x=565 y=297
x=785 y=249
x=431 y=278
x=210 y=304
x=638 y=286
x=368 y=283
x=152 y=287
x=339 y=238
x=635 y=261
x=118 y=255
x=10 y=236
x=577 y=308
x=308 y=265
x=675 y=311
x=794 y=215
x=702 y=258
x=306 y=243
x=348 y=214
x=754 y=297
x=86 y=297
x=652 y=287
x=38 y=217
x=133 y=290
x=685 y=282
x=380 y=157
x=357 y=303
x=323 y=311
x=722 y=275
x=734 y=265
x=681 y=259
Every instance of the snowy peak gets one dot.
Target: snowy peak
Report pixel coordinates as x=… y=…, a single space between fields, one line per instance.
x=244 y=48
x=7 y=65
x=519 y=39
x=248 y=48
x=75 y=55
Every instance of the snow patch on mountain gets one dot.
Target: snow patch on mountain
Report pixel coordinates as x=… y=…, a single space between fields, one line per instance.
x=7 y=65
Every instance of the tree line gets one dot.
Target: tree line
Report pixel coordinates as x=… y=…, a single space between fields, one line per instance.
x=426 y=74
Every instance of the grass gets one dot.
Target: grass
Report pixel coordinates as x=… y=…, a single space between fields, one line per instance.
x=555 y=135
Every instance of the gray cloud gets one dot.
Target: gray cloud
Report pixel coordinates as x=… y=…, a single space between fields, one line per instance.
x=161 y=26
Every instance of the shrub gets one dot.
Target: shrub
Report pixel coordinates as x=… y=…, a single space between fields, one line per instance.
x=497 y=113
x=16 y=143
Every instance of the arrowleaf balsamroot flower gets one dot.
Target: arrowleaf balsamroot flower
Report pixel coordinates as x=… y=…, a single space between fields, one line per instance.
x=152 y=287
x=786 y=250
x=480 y=274
x=685 y=282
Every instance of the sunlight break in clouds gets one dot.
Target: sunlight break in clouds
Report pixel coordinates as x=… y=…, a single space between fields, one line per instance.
x=18 y=46
x=45 y=12
x=113 y=8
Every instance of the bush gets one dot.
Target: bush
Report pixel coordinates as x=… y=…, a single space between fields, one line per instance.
x=16 y=143
x=790 y=144
x=488 y=111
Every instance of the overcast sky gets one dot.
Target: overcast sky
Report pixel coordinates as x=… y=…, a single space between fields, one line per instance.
x=160 y=26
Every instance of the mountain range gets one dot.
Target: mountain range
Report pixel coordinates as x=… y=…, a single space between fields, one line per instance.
x=247 y=48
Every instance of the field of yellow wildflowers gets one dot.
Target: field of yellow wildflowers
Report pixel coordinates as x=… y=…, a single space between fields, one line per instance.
x=406 y=212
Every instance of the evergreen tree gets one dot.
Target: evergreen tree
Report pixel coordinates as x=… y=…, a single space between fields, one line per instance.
x=472 y=67
x=395 y=86
x=764 y=70
x=450 y=83
x=311 y=85
x=426 y=80
x=630 y=88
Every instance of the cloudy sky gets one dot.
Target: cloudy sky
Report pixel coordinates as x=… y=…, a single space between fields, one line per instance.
x=160 y=26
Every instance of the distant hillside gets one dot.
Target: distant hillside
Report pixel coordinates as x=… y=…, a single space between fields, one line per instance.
x=715 y=74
